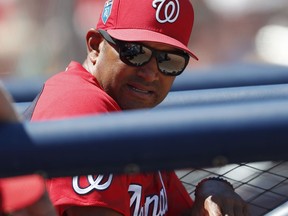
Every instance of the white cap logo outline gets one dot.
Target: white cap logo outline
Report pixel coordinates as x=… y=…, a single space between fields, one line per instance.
x=168 y=16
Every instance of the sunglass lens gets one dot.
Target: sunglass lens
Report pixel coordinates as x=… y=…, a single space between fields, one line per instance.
x=171 y=64
x=135 y=54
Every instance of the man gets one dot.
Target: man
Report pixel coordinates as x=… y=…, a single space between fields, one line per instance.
x=134 y=55
x=21 y=195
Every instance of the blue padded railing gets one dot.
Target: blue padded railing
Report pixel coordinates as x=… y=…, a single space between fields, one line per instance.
x=146 y=140
x=213 y=96
x=26 y=89
x=225 y=95
x=234 y=75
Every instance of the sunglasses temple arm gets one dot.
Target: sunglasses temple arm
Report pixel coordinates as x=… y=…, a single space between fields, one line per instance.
x=106 y=36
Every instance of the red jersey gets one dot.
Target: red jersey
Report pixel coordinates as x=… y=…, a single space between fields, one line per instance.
x=71 y=93
x=76 y=92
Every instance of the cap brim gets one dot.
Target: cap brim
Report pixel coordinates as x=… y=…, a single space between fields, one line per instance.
x=20 y=192
x=149 y=36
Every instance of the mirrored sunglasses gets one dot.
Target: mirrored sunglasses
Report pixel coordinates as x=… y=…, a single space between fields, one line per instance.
x=171 y=63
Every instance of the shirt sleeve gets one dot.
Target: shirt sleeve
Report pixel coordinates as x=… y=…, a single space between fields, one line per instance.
x=108 y=191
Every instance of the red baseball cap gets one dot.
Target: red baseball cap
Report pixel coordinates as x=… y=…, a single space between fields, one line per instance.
x=19 y=192
x=164 y=21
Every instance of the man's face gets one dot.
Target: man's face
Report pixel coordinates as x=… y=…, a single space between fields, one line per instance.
x=132 y=87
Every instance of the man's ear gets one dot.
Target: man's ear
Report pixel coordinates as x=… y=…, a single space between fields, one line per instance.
x=93 y=40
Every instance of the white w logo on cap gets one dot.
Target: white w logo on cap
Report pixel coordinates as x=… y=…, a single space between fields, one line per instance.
x=170 y=10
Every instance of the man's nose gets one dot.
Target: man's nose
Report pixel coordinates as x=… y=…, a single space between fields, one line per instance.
x=149 y=72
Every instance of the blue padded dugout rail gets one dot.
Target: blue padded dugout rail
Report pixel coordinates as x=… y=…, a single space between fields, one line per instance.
x=242 y=94
x=23 y=89
x=234 y=75
x=217 y=76
x=213 y=96
x=146 y=140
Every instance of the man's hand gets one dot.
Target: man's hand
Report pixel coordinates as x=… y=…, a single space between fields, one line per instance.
x=217 y=198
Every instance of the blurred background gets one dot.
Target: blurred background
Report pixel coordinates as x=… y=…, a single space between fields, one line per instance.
x=40 y=37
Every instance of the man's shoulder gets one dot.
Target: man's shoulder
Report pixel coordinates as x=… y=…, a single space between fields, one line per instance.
x=73 y=73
